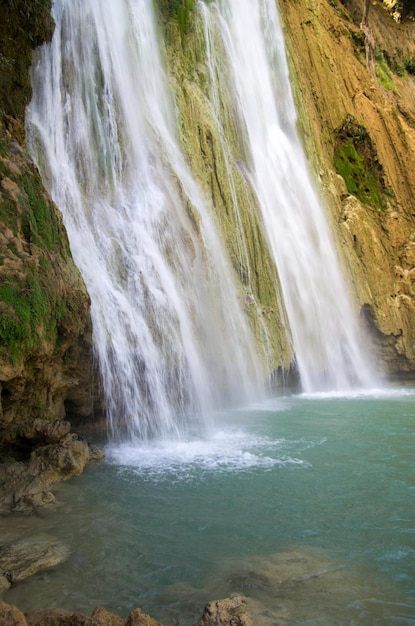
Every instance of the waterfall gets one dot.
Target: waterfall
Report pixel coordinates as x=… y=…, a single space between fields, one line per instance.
x=170 y=335
x=321 y=323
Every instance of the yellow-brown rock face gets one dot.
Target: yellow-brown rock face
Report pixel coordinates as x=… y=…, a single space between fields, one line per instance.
x=355 y=92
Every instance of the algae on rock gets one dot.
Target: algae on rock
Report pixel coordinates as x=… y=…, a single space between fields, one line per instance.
x=215 y=153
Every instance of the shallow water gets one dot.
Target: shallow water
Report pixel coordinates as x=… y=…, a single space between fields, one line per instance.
x=305 y=504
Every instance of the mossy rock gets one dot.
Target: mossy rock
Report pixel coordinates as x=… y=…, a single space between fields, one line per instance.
x=356 y=160
x=24 y=25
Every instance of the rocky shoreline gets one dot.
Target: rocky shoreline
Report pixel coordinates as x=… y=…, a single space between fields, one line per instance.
x=226 y=612
x=55 y=454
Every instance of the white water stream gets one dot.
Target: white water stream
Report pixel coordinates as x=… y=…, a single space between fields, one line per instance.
x=322 y=325
x=169 y=333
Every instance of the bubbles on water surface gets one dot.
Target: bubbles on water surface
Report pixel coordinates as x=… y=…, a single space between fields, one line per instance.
x=223 y=450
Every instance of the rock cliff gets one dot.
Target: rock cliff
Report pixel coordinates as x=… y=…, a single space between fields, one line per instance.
x=355 y=93
x=46 y=369
x=355 y=90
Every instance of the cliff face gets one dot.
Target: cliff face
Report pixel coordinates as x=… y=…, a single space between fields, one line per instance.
x=355 y=91
x=45 y=332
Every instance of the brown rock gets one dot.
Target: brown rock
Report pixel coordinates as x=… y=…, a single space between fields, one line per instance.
x=4 y=583
x=28 y=556
x=138 y=618
x=96 y=453
x=11 y=616
x=68 y=458
x=333 y=82
x=108 y=619
x=59 y=617
x=40 y=431
x=226 y=612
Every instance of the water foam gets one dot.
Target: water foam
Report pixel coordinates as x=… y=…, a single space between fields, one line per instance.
x=226 y=450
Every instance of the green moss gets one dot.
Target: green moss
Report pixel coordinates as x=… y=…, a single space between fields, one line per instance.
x=382 y=72
x=8 y=214
x=398 y=63
x=32 y=313
x=356 y=160
x=40 y=224
x=359 y=181
x=179 y=11
x=359 y=44
x=4 y=148
x=41 y=300
x=25 y=312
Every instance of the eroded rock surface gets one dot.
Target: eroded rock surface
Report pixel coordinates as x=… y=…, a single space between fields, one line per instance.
x=226 y=612
x=354 y=85
x=11 y=616
x=26 y=486
x=26 y=557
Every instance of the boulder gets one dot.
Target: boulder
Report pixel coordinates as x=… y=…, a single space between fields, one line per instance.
x=104 y=617
x=11 y=616
x=138 y=618
x=226 y=612
x=28 y=556
x=25 y=486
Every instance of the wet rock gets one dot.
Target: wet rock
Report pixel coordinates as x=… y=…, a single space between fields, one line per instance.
x=28 y=556
x=41 y=431
x=100 y=617
x=59 y=461
x=96 y=453
x=4 y=583
x=11 y=616
x=138 y=618
x=104 y=617
x=59 y=617
x=25 y=487
x=226 y=612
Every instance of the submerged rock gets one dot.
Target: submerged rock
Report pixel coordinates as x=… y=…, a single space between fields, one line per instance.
x=226 y=612
x=26 y=557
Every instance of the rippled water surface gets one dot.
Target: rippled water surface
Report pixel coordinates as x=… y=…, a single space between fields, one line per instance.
x=304 y=504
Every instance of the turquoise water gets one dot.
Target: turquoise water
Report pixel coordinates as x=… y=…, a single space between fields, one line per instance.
x=303 y=504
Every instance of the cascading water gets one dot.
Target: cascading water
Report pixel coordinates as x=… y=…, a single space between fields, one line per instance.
x=169 y=334
x=323 y=330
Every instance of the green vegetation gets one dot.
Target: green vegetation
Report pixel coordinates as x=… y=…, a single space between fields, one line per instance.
x=356 y=161
x=40 y=223
x=25 y=309
x=359 y=44
x=399 y=63
x=37 y=302
x=383 y=74
x=359 y=181
x=179 y=11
